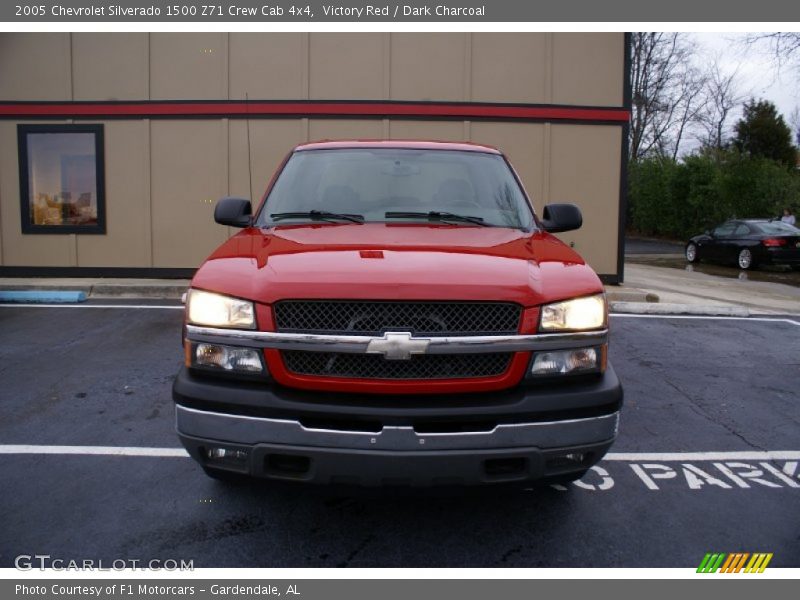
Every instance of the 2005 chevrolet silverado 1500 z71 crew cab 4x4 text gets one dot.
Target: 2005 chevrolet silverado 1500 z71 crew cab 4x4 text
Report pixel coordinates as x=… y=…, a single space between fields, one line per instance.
x=395 y=313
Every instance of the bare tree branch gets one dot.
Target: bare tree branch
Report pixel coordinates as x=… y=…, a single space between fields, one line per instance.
x=783 y=45
x=666 y=93
x=721 y=96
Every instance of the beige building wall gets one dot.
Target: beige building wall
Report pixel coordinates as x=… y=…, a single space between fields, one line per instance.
x=164 y=175
x=184 y=65
x=273 y=66
x=364 y=62
x=35 y=66
x=584 y=172
x=588 y=68
x=510 y=67
x=429 y=66
x=189 y=173
x=122 y=74
x=128 y=238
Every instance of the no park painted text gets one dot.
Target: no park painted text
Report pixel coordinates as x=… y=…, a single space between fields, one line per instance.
x=715 y=475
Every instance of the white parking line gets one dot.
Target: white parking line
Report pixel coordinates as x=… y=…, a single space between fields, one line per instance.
x=95 y=450
x=611 y=456
x=714 y=318
x=690 y=456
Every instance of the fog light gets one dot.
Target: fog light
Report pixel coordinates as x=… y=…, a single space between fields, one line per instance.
x=228 y=459
x=562 y=362
x=575 y=457
x=228 y=358
x=226 y=454
x=561 y=462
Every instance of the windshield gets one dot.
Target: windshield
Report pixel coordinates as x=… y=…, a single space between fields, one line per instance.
x=775 y=228
x=373 y=182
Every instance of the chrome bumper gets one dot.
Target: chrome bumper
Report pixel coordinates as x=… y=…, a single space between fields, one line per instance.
x=240 y=429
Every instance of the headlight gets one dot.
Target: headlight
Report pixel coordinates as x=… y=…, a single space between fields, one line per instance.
x=575 y=315
x=216 y=310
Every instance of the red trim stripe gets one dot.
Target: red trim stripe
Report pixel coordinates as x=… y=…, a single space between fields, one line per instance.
x=143 y=110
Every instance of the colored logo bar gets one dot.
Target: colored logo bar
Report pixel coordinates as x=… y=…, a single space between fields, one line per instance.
x=736 y=562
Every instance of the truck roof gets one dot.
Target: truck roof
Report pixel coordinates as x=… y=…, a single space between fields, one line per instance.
x=397 y=144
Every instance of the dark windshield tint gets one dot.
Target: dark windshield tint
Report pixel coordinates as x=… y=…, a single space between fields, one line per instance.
x=372 y=182
x=775 y=228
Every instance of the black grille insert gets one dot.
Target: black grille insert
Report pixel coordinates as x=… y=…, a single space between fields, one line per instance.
x=374 y=366
x=377 y=317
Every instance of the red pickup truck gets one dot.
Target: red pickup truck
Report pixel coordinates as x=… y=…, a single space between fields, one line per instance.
x=395 y=313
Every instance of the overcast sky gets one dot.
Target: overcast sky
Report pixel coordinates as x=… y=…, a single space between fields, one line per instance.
x=758 y=75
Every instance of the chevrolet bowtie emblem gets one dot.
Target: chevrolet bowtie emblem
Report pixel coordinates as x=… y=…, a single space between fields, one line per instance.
x=398 y=346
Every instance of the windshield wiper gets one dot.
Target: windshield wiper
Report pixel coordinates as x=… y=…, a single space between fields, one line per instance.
x=321 y=215
x=436 y=215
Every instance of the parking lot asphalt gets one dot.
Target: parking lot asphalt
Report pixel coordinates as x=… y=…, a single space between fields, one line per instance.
x=637 y=245
x=706 y=461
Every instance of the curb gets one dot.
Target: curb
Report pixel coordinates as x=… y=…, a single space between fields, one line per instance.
x=172 y=292
x=167 y=291
x=630 y=296
x=704 y=310
x=43 y=296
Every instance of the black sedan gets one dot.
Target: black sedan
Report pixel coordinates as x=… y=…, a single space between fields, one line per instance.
x=747 y=243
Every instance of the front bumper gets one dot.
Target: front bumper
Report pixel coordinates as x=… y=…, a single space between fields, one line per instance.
x=516 y=435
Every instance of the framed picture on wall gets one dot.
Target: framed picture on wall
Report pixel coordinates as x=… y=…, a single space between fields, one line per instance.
x=61 y=178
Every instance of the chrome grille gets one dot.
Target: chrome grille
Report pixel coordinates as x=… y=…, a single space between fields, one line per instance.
x=377 y=317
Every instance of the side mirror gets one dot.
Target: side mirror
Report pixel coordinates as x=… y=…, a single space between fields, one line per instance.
x=561 y=217
x=236 y=212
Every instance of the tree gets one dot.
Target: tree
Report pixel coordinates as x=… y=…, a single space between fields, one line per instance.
x=721 y=96
x=666 y=93
x=784 y=45
x=794 y=122
x=689 y=102
x=763 y=132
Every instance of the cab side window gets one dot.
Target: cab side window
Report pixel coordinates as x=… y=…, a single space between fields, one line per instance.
x=741 y=231
x=724 y=230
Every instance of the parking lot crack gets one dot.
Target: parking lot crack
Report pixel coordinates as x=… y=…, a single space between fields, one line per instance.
x=699 y=410
x=357 y=551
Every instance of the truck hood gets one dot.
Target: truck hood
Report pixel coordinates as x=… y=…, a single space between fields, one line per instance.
x=381 y=261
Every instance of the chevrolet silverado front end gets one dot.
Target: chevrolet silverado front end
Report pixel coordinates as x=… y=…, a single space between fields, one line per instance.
x=394 y=313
